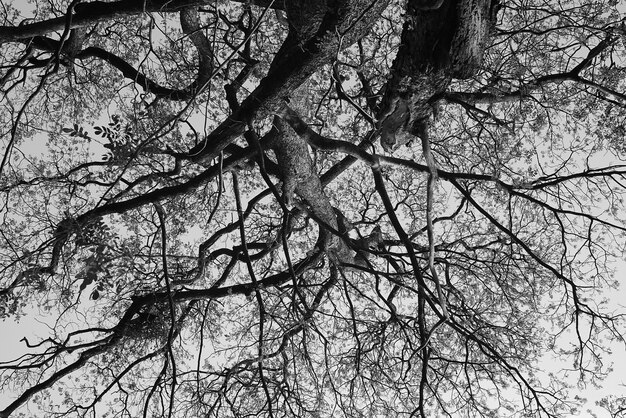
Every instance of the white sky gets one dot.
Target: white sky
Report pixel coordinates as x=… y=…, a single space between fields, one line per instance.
x=34 y=327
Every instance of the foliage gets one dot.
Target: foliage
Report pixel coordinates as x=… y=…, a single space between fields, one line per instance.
x=195 y=198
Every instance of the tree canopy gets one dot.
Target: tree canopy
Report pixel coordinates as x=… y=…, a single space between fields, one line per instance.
x=311 y=208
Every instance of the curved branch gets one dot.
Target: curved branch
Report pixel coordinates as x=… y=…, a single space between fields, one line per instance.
x=99 y=11
x=190 y=23
x=204 y=72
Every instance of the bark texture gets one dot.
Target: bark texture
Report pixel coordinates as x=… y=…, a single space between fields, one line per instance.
x=317 y=30
x=436 y=46
x=333 y=25
x=300 y=177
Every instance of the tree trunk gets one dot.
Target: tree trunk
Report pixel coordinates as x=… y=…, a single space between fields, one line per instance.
x=436 y=46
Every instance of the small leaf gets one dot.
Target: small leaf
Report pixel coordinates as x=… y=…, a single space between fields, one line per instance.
x=94 y=295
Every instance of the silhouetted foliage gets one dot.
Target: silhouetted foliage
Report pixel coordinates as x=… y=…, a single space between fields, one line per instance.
x=311 y=207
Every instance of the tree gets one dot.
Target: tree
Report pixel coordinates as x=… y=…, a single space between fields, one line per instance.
x=311 y=208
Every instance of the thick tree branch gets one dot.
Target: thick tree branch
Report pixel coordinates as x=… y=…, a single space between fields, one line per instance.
x=436 y=46
x=90 y=13
x=190 y=23
x=341 y=25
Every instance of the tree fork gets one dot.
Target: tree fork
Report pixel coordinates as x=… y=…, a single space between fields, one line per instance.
x=436 y=46
x=343 y=23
